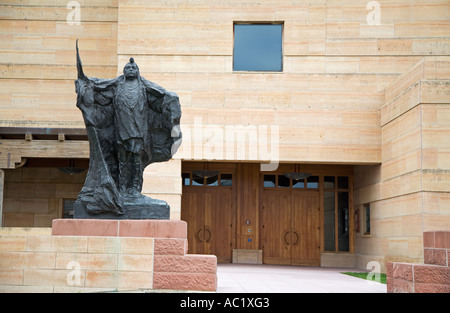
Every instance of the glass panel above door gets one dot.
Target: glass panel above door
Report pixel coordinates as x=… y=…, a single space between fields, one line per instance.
x=328 y=182
x=312 y=182
x=298 y=183
x=212 y=181
x=226 y=180
x=283 y=181
x=269 y=180
x=186 y=177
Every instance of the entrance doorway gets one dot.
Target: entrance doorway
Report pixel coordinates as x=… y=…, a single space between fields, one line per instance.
x=290 y=222
x=291 y=216
x=208 y=207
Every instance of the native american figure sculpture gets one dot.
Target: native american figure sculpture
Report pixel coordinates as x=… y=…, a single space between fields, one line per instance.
x=131 y=123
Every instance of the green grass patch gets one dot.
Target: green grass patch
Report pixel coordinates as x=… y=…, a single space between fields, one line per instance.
x=363 y=275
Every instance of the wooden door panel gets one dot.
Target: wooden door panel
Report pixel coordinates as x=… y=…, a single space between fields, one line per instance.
x=218 y=223
x=275 y=227
x=192 y=211
x=209 y=210
x=305 y=228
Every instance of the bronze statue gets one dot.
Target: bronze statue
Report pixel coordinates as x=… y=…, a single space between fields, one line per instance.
x=131 y=123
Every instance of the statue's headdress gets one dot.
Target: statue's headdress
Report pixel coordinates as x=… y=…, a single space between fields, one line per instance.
x=132 y=62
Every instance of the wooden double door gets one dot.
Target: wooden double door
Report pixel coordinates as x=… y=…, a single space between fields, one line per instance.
x=209 y=214
x=290 y=232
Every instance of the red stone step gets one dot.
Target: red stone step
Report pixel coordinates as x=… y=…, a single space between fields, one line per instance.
x=122 y=228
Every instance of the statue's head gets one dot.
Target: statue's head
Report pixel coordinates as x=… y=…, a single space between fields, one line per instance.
x=131 y=70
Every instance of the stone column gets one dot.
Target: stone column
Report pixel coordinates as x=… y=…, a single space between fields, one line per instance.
x=2 y=188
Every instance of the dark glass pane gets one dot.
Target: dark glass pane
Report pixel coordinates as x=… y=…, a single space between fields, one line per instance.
x=283 y=181
x=328 y=182
x=343 y=225
x=343 y=182
x=298 y=183
x=367 y=222
x=186 y=179
x=197 y=181
x=257 y=47
x=269 y=180
x=68 y=208
x=226 y=180
x=212 y=181
x=312 y=182
x=328 y=221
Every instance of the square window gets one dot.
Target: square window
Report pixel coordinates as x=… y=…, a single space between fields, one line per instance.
x=258 y=47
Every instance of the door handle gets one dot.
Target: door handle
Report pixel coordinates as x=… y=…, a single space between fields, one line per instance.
x=298 y=237
x=210 y=235
x=198 y=233
x=284 y=237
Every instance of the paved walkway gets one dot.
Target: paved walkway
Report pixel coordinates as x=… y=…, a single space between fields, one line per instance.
x=246 y=278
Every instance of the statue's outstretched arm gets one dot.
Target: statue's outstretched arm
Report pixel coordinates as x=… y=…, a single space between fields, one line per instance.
x=80 y=65
x=92 y=90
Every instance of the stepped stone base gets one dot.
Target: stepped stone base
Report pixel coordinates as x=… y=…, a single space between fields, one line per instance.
x=103 y=255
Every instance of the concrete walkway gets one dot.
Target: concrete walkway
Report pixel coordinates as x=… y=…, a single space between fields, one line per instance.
x=246 y=278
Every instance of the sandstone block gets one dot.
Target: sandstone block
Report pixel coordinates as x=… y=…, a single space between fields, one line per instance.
x=442 y=239
x=403 y=271
x=25 y=260
x=10 y=276
x=185 y=281
x=431 y=274
x=186 y=264
x=81 y=227
x=435 y=256
x=153 y=228
x=93 y=261
x=13 y=243
x=168 y=246
x=57 y=243
x=48 y=277
x=431 y=288
x=136 y=245
x=399 y=286
x=101 y=244
x=428 y=240
x=131 y=262
x=118 y=279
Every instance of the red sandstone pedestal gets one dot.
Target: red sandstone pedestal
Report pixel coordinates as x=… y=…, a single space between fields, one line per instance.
x=121 y=228
x=173 y=268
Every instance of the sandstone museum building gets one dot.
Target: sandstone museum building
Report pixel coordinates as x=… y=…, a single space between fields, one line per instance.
x=315 y=133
